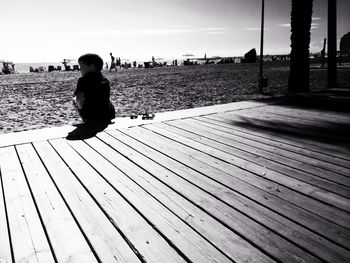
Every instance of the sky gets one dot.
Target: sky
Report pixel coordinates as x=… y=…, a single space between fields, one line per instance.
x=51 y=30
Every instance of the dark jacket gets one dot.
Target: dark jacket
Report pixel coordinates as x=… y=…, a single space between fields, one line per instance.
x=96 y=89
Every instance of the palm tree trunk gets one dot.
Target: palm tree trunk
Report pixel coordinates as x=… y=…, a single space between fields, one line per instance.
x=332 y=44
x=300 y=43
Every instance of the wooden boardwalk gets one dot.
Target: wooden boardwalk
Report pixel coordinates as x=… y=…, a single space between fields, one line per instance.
x=242 y=182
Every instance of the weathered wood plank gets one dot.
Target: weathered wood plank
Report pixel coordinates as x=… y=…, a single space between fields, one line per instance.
x=260 y=129
x=102 y=237
x=277 y=172
x=277 y=160
x=5 y=248
x=15 y=138
x=276 y=197
x=311 y=119
x=314 y=131
x=28 y=238
x=58 y=220
x=275 y=142
x=305 y=238
x=149 y=243
x=307 y=163
x=318 y=117
x=312 y=114
x=195 y=247
x=257 y=234
x=216 y=233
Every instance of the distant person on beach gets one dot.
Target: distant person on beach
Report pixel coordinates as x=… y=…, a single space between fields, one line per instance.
x=93 y=92
x=118 y=62
x=113 y=66
x=65 y=62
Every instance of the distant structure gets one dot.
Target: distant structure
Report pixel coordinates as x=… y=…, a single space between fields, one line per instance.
x=344 y=47
x=250 y=56
x=345 y=42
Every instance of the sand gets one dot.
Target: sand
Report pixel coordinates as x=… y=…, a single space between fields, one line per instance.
x=37 y=100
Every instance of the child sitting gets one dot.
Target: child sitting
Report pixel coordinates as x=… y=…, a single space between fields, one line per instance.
x=93 y=92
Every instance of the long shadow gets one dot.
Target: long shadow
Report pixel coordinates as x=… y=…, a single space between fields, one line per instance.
x=329 y=100
x=331 y=132
x=86 y=131
x=322 y=132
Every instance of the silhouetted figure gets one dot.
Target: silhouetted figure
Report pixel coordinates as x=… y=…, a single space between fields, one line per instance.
x=113 y=65
x=5 y=68
x=65 y=62
x=93 y=92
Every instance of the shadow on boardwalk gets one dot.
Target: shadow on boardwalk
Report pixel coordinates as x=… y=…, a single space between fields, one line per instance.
x=327 y=125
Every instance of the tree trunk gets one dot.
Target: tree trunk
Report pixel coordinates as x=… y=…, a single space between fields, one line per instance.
x=300 y=43
x=332 y=44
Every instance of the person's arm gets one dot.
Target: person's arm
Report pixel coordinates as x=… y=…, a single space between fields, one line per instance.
x=79 y=100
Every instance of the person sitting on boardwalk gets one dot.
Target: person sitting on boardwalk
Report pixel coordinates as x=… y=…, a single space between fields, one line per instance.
x=113 y=66
x=93 y=92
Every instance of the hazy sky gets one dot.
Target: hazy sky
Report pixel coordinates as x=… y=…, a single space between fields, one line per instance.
x=50 y=30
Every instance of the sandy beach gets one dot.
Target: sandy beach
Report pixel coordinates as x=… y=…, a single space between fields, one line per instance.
x=37 y=100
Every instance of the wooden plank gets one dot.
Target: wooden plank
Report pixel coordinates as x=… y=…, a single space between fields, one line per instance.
x=228 y=136
x=102 y=234
x=28 y=239
x=67 y=240
x=274 y=141
x=218 y=234
x=256 y=176
x=280 y=199
x=305 y=238
x=150 y=245
x=319 y=166
x=314 y=131
x=188 y=241
x=277 y=172
x=287 y=138
x=333 y=122
x=5 y=248
x=9 y=139
x=14 y=138
x=257 y=234
x=313 y=114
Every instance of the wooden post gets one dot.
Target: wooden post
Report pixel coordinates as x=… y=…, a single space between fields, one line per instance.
x=323 y=52
x=262 y=80
x=332 y=43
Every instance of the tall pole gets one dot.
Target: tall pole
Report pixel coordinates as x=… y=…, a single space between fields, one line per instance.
x=262 y=80
x=262 y=39
x=332 y=44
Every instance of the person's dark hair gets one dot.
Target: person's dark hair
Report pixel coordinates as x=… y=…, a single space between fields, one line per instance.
x=92 y=59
